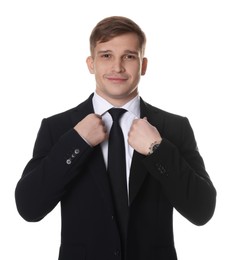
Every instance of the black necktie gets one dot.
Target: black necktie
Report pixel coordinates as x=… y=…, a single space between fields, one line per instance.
x=117 y=171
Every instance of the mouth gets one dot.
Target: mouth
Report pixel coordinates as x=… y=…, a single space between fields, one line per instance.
x=116 y=79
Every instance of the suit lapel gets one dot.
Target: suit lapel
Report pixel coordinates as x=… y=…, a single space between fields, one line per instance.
x=96 y=166
x=137 y=175
x=98 y=170
x=138 y=171
x=82 y=110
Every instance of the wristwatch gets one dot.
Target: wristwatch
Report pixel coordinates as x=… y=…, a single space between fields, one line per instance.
x=154 y=146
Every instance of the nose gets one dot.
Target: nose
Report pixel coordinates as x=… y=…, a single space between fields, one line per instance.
x=118 y=66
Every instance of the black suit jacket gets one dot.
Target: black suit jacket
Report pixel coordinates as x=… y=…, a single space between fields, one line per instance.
x=65 y=169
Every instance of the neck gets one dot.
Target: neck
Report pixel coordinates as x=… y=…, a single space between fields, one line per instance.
x=118 y=101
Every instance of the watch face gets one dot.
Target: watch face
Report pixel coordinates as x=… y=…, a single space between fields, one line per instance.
x=153 y=147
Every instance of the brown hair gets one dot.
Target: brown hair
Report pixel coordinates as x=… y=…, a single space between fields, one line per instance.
x=113 y=26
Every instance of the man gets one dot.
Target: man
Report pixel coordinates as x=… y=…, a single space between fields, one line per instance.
x=105 y=218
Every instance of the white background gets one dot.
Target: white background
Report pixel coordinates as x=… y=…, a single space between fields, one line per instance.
x=43 y=47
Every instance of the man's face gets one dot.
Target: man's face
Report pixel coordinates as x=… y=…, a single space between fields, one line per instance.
x=118 y=65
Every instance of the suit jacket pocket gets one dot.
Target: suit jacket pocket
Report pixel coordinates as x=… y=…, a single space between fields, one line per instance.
x=72 y=252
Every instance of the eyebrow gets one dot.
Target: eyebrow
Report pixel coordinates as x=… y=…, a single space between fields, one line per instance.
x=131 y=52
x=125 y=52
x=106 y=51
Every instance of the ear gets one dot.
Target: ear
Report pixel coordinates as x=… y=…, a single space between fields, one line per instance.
x=144 y=66
x=90 y=64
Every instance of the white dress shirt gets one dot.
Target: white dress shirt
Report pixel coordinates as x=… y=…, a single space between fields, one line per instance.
x=101 y=106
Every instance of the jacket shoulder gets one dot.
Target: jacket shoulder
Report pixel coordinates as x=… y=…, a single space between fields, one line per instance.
x=62 y=122
x=66 y=115
x=165 y=115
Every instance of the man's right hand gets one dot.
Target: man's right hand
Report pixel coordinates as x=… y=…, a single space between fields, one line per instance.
x=92 y=129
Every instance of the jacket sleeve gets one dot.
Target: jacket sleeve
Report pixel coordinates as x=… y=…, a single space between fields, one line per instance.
x=180 y=170
x=46 y=176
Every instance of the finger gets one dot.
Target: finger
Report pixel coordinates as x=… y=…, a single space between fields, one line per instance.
x=105 y=129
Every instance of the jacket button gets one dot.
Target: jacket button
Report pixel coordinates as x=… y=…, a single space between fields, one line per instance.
x=68 y=161
x=117 y=252
x=161 y=169
x=76 y=151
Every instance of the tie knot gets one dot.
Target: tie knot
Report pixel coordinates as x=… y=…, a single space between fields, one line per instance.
x=116 y=113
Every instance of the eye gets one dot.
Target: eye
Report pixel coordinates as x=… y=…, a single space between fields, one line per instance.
x=106 y=56
x=129 y=57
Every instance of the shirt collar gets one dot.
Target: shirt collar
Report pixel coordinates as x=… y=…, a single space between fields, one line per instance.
x=101 y=106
